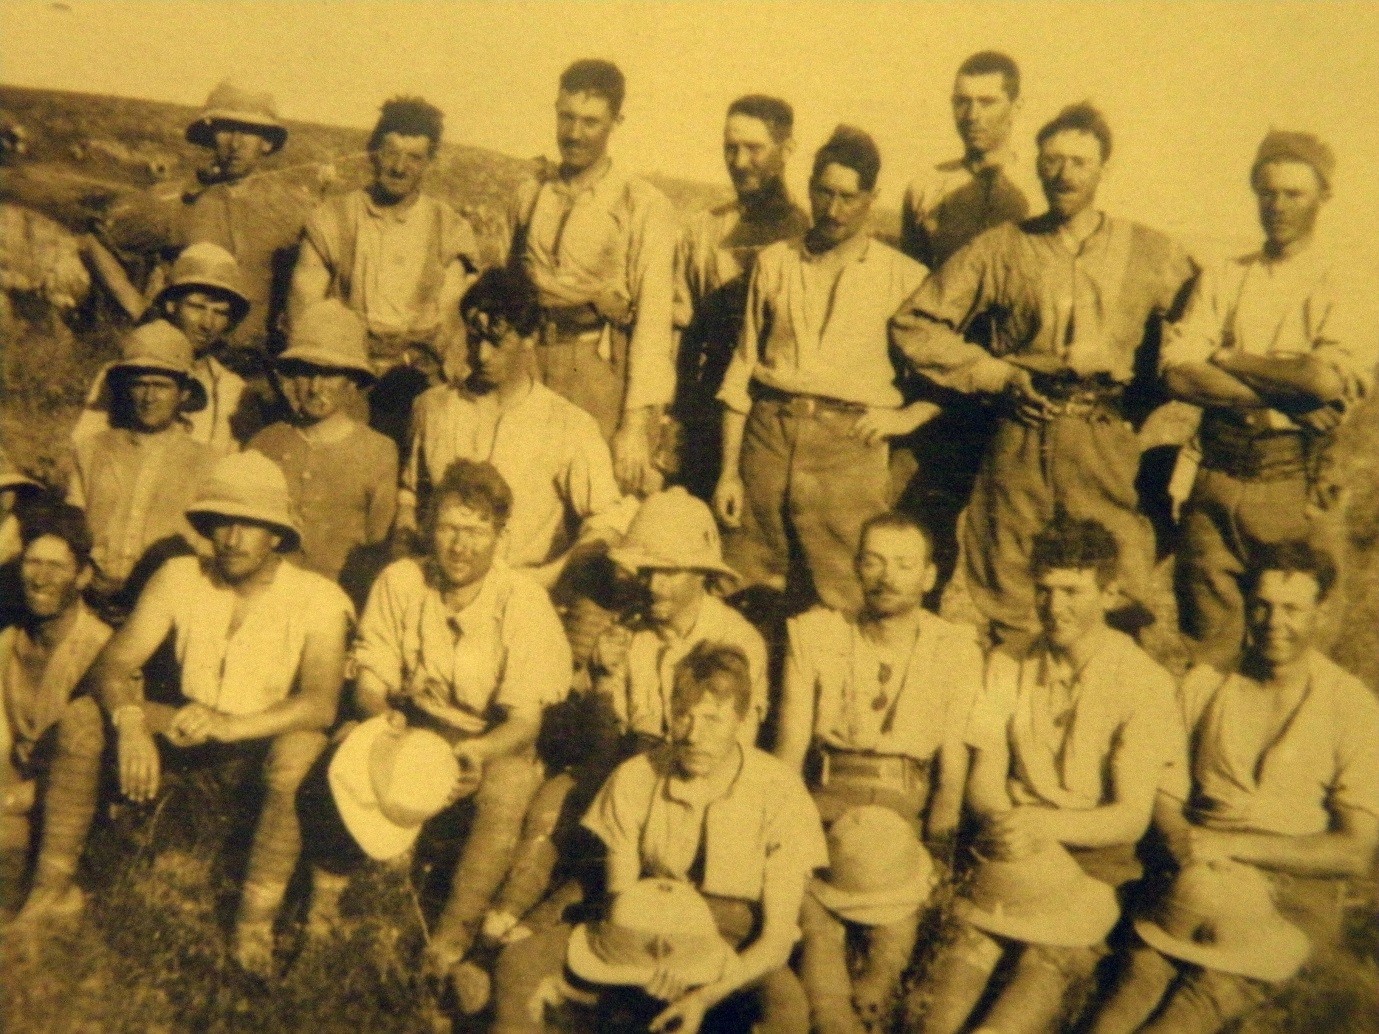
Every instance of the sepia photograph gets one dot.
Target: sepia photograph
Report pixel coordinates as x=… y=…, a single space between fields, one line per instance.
x=676 y=516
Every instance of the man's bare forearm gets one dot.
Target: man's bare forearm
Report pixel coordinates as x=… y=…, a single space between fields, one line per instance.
x=1203 y=384
x=1297 y=382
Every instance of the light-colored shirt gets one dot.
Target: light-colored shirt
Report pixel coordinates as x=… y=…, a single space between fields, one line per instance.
x=1086 y=308
x=549 y=451
x=816 y=324
x=388 y=263
x=1306 y=304
x=135 y=489
x=641 y=692
x=1063 y=728
x=345 y=490
x=605 y=235
x=1324 y=756
x=32 y=706
x=950 y=205
x=505 y=651
x=237 y=655
x=765 y=827
x=863 y=702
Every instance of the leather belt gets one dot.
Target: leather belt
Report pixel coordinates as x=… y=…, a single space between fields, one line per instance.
x=895 y=771
x=1253 y=455
x=804 y=406
x=570 y=321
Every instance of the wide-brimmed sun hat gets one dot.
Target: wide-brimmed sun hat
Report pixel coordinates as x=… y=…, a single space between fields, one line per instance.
x=11 y=476
x=205 y=266
x=673 y=531
x=655 y=923
x=1045 y=898
x=236 y=105
x=387 y=781
x=1221 y=915
x=159 y=347
x=248 y=486
x=878 y=871
x=330 y=335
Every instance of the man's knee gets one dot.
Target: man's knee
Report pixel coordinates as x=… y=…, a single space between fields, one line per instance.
x=290 y=759
x=81 y=729
x=1071 y=964
x=507 y=786
x=784 y=1007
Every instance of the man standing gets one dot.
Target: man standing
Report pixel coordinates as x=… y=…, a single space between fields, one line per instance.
x=810 y=397
x=944 y=209
x=1074 y=298
x=1072 y=745
x=547 y=449
x=959 y=200
x=461 y=644
x=135 y=479
x=229 y=207
x=599 y=245
x=1276 y=348
x=727 y=818
x=713 y=265
x=1285 y=791
x=44 y=657
x=398 y=257
x=205 y=300
x=260 y=648
x=342 y=475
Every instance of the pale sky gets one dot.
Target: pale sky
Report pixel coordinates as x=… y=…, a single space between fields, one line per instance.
x=1189 y=87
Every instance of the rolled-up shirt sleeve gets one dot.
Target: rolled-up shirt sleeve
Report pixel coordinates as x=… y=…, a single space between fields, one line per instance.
x=589 y=486
x=1348 y=337
x=650 y=278
x=928 y=328
x=993 y=704
x=378 y=645
x=1197 y=334
x=537 y=668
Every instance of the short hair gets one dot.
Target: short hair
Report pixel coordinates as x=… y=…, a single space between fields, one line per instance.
x=506 y=294
x=898 y=521
x=777 y=114
x=476 y=485
x=62 y=521
x=712 y=669
x=852 y=148
x=1071 y=544
x=1082 y=117
x=993 y=62
x=1292 y=557
x=594 y=75
x=408 y=116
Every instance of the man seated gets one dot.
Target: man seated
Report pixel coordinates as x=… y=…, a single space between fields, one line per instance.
x=462 y=644
x=874 y=711
x=1285 y=782
x=1072 y=744
x=45 y=656
x=205 y=300
x=18 y=493
x=729 y=819
x=342 y=474
x=672 y=548
x=260 y=651
x=135 y=478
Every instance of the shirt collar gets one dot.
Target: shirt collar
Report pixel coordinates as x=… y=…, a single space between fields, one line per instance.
x=679 y=790
x=855 y=249
x=592 y=179
x=393 y=213
x=482 y=609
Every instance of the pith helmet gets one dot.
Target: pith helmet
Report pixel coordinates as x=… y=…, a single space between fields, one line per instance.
x=207 y=266
x=249 y=486
x=672 y=530
x=878 y=871
x=331 y=335
x=162 y=348
x=1045 y=898
x=387 y=781
x=11 y=476
x=1222 y=916
x=654 y=923
x=236 y=105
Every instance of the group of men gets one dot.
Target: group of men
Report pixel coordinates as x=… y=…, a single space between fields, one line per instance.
x=537 y=484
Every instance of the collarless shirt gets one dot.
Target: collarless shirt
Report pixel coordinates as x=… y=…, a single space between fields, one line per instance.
x=953 y=203
x=925 y=700
x=506 y=650
x=763 y=830
x=642 y=696
x=1062 y=728
x=1308 y=304
x=816 y=324
x=1085 y=308
x=1325 y=755
x=549 y=451
x=605 y=235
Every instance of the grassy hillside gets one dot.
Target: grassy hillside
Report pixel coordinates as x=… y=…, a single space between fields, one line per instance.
x=149 y=956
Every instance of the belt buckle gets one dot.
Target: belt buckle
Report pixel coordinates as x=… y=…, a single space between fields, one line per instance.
x=804 y=406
